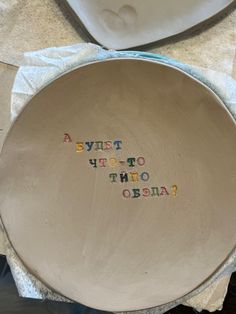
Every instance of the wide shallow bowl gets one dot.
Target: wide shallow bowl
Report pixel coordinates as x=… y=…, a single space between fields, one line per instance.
x=130 y=23
x=118 y=184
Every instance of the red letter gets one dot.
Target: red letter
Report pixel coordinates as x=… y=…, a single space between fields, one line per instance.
x=108 y=145
x=141 y=161
x=102 y=162
x=164 y=191
x=126 y=193
x=146 y=192
x=67 y=138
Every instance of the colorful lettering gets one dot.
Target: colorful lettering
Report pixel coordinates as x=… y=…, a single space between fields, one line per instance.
x=117 y=144
x=155 y=191
x=146 y=192
x=102 y=162
x=67 y=138
x=89 y=145
x=164 y=191
x=113 y=162
x=107 y=145
x=144 y=176
x=93 y=162
x=126 y=193
x=113 y=177
x=134 y=176
x=136 y=193
x=79 y=147
x=141 y=161
x=99 y=145
x=174 y=190
x=124 y=177
x=131 y=161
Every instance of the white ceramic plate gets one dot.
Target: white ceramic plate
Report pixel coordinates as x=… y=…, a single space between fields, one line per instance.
x=130 y=23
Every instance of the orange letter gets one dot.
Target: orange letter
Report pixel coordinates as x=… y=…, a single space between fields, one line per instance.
x=79 y=147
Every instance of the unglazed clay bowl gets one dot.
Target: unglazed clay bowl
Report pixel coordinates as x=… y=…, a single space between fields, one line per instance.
x=118 y=184
x=130 y=23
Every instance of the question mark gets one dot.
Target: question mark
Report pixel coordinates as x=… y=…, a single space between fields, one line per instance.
x=174 y=190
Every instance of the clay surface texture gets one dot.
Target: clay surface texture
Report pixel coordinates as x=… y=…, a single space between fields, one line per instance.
x=118 y=184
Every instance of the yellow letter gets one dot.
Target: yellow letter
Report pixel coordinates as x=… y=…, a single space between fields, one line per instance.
x=79 y=147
